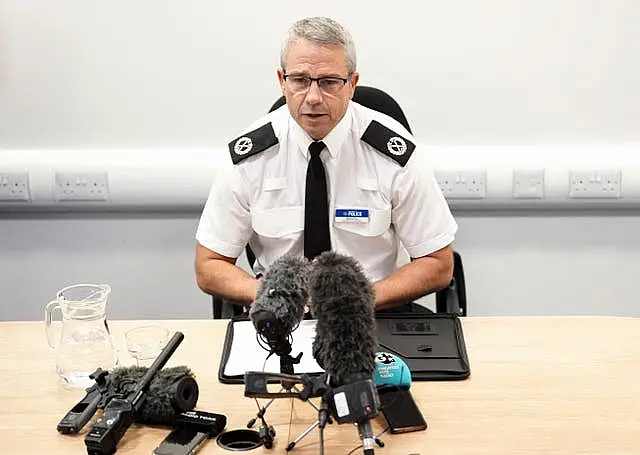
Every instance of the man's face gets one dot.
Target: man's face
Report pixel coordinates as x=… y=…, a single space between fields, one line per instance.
x=315 y=110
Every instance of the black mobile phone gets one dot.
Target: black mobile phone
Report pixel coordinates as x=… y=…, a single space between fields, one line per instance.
x=400 y=410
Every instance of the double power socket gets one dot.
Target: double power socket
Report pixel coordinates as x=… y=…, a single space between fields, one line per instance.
x=87 y=186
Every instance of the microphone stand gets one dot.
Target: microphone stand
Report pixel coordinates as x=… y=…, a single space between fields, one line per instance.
x=366 y=435
x=274 y=340
x=281 y=346
x=324 y=417
x=355 y=402
x=355 y=391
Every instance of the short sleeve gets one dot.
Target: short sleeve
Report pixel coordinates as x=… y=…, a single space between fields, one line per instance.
x=420 y=213
x=225 y=223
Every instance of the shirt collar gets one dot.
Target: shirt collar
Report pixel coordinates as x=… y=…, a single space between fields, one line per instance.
x=333 y=140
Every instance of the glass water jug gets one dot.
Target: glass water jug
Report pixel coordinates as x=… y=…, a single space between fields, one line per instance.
x=84 y=342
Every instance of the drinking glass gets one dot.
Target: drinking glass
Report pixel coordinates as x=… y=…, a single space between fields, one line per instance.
x=144 y=343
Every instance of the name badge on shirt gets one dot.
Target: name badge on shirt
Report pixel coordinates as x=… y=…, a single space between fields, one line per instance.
x=352 y=216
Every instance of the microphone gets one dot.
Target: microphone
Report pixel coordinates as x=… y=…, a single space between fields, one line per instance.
x=171 y=392
x=280 y=304
x=120 y=411
x=391 y=371
x=342 y=301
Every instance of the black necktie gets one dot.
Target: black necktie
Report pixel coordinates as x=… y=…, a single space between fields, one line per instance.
x=316 y=206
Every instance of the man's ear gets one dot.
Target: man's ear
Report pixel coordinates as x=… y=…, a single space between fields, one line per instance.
x=353 y=81
x=281 y=79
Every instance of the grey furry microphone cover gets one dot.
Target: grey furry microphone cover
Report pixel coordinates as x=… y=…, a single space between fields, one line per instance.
x=342 y=302
x=283 y=291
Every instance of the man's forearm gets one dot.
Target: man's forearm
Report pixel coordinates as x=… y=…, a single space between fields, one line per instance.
x=220 y=276
x=418 y=278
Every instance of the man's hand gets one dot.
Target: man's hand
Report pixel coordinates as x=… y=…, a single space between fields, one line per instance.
x=418 y=278
x=217 y=274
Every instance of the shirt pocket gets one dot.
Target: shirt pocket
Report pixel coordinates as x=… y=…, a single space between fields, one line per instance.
x=365 y=195
x=274 y=184
x=378 y=223
x=278 y=222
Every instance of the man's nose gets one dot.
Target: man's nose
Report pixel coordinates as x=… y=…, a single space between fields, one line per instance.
x=314 y=94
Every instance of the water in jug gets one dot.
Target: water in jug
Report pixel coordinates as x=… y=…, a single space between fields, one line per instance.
x=84 y=342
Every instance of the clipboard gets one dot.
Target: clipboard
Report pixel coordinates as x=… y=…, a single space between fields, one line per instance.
x=226 y=351
x=432 y=346
x=242 y=351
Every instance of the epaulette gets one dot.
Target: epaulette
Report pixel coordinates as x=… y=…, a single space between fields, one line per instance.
x=252 y=143
x=388 y=142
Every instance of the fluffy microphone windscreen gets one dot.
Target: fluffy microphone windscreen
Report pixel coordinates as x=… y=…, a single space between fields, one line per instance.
x=391 y=370
x=342 y=301
x=282 y=295
x=172 y=391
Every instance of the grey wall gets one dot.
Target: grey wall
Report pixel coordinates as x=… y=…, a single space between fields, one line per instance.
x=148 y=261
x=551 y=263
x=515 y=264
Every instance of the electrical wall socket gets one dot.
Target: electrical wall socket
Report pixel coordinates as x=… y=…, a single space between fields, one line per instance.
x=81 y=186
x=462 y=184
x=528 y=183
x=14 y=186
x=595 y=184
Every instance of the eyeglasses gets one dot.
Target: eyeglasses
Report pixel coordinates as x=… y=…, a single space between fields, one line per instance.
x=300 y=83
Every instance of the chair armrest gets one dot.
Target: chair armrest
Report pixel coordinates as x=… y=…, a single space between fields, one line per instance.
x=453 y=298
x=225 y=309
x=217 y=306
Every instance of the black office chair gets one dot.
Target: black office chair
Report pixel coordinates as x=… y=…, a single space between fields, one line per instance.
x=451 y=299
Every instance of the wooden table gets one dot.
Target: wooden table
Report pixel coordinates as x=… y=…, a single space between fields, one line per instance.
x=539 y=385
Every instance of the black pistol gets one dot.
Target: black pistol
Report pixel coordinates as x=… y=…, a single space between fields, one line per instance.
x=119 y=413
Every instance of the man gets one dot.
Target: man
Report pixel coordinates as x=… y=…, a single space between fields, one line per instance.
x=380 y=191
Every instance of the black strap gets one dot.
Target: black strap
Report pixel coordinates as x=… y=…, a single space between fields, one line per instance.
x=316 y=209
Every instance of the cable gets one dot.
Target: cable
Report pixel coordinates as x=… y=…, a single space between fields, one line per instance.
x=290 y=419
x=377 y=437
x=354 y=449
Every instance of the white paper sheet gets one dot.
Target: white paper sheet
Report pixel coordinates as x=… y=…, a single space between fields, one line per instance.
x=247 y=355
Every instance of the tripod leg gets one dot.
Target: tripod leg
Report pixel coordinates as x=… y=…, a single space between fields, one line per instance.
x=311 y=403
x=260 y=414
x=263 y=410
x=293 y=443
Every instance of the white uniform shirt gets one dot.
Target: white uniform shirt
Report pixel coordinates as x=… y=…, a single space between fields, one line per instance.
x=260 y=200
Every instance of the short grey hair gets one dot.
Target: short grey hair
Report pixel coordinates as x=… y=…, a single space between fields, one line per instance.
x=322 y=31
